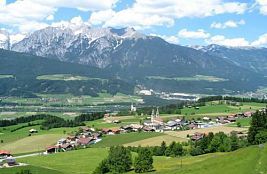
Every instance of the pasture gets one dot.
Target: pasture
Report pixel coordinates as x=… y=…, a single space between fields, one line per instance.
x=32 y=143
x=120 y=139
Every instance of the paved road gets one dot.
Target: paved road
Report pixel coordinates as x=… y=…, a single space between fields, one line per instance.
x=28 y=155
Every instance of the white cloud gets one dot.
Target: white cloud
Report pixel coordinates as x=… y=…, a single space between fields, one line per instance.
x=261 y=41
x=31 y=26
x=222 y=40
x=227 y=24
x=98 y=18
x=198 y=34
x=26 y=13
x=170 y=39
x=50 y=18
x=130 y=17
x=263 y=6
x=84 y=5
x=146 y=13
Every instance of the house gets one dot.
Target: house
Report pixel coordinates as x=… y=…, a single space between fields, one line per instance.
x=52 y=149
x=85 y=141
x=136 y=127
x=133 y=108
x=148 y=129
x=4 y=153
x=33 y=131
x=248 y=114
x=197 y=136
x=231 y=119
x=172 y=125
x=62 y=141
x=71 y=138
x=206 y=119
x=192 y=126
x=127 y=128
x=108 y=131
x=66 y=147
x=116 y=121
x=84 y=129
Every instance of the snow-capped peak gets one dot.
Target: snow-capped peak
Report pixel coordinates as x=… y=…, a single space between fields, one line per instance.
x=4 y=39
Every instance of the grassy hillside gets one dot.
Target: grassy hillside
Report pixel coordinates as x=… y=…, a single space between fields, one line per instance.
x=251 y=160
x=25 y=69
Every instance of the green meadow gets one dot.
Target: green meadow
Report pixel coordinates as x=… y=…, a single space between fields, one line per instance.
x=194 y=78
x=250 y=160
x=66 y=77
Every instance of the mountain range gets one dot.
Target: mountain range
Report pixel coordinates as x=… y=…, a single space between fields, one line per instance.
x=149 y=61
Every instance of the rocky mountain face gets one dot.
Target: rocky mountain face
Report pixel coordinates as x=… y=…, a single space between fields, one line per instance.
x=254 y=59
x=81 y=44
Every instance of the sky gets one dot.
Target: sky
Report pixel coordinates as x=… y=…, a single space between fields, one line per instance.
x=184 y=22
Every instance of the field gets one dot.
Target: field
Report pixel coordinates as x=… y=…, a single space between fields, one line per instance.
x=66 y=77
x=32 y=143
x=4 y=76
x=215 y=129
x=156 y=141
x=195 y=78
x=85 y=161
x=112 y=140
x=20 y=142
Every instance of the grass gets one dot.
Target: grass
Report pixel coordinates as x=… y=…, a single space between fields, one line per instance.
x=215 y=129
x=33 y=169
x=80 y=161
x=245 y=122
x=244 y=161
x=66 y=77
x=156 y=141
x=248 y=160
x=32 y=143
x=113 y=140
x=69 y=100
x=216 y=109
x=20 y=141
x=194 y=78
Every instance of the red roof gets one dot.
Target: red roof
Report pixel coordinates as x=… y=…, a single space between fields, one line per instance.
x=5 y=152
x=51 y=147
x=85 y=140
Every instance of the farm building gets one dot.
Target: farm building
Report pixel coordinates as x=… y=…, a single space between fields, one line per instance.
x=4 y=154
x=33 y=131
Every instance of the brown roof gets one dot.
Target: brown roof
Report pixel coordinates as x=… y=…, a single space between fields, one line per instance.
x=85 y=140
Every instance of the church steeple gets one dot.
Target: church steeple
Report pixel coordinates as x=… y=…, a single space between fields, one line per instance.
x=157 y=113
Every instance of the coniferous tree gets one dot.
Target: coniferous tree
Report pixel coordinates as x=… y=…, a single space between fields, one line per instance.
x=144 y=161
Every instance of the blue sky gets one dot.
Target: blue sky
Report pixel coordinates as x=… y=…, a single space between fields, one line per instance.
x=185 y=22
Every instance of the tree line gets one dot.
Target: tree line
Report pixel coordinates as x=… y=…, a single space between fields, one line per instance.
x=236 y=99
x=50 y=121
